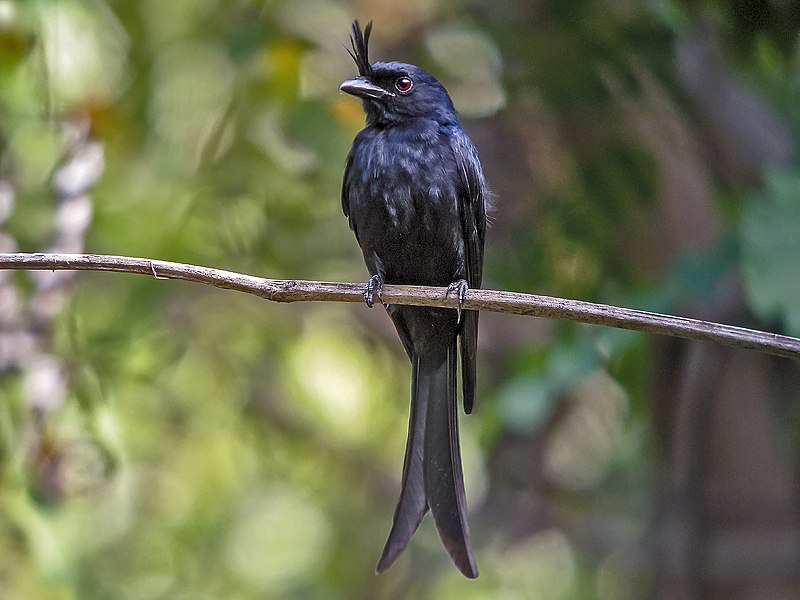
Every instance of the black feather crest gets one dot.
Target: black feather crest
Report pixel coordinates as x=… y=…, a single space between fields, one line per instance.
x=360 y=52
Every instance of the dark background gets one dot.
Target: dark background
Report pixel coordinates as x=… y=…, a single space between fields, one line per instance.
x=166 y=440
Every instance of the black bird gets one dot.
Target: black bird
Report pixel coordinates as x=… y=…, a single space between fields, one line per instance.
x=414 y=193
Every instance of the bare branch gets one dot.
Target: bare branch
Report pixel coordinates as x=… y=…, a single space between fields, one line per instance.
x=486 y=300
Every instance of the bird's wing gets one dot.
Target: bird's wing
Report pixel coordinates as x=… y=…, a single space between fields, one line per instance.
x=346 y=184
x=472 y=209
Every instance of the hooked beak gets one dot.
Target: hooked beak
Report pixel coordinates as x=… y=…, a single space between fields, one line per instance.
x=363 y=88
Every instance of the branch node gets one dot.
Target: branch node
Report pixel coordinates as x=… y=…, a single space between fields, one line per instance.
x=153 y=269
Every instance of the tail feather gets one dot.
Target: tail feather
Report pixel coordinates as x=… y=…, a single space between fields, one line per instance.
x=432 y=474
x=412 y=504
x=444 y=479
x=468 y=343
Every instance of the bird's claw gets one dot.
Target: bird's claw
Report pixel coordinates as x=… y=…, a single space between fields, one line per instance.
x=459 y=287
x=374 y=286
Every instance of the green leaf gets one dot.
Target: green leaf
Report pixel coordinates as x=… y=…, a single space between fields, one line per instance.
x=771 y=251
x=526 y=402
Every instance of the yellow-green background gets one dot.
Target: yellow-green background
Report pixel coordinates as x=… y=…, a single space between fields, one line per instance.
x=213 y=445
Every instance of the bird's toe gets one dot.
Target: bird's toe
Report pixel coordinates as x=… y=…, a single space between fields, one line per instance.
x=374 y=287
x=459 y=288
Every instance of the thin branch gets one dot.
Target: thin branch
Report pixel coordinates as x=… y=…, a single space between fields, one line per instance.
x=486 y=300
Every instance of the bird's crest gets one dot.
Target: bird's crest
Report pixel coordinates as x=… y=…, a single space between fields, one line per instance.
x=360 y=52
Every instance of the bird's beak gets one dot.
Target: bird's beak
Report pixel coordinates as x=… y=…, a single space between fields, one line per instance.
x=363 y=88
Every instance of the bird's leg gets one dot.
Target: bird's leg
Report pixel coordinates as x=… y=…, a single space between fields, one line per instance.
x=374 y=286
x=459 y=287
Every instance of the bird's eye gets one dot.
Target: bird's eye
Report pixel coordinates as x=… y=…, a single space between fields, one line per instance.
x=404 y=85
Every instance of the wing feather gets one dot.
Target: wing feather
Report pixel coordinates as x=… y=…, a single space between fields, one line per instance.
x=472 y=211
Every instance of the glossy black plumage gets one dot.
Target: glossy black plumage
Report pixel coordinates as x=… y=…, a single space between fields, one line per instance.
x=414 y=194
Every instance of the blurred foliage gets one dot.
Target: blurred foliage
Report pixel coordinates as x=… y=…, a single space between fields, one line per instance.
x=770 y=248
x=209 y=445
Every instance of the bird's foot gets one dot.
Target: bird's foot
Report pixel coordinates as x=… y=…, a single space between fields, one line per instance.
x=374 y=286
x=459 y=287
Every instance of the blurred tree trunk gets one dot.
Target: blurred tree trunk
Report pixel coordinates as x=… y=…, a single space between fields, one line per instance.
x=728 y=524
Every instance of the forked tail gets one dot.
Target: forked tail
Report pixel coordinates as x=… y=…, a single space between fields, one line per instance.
x=432 y=475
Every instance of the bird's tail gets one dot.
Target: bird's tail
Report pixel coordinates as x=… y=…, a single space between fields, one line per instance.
x=432 y=476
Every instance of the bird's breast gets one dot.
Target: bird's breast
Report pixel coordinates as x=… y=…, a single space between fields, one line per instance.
x=403 y=204
x=404 y=180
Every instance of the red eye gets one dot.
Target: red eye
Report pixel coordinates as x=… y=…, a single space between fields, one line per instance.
x=403 y=85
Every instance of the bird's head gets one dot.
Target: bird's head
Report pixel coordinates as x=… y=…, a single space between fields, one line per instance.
x=394 y=92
